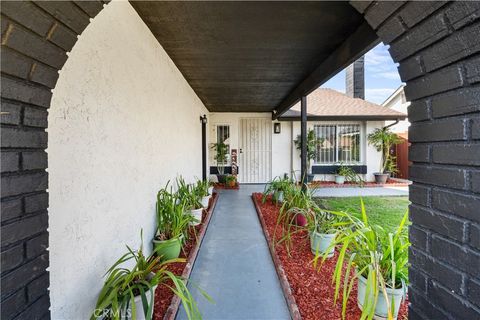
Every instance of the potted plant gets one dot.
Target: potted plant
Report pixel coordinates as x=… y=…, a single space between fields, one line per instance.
x=231 y=181
x=312 y=143
x=276 y=189
x=130 y=293
x=380 y=261
x=201 y=189
x=323 y=227
x=294 y=214
x=211 y=185
x=345 y=173
x=172 y=225
x=220 y=156
x=383 y=140
x=193 y=204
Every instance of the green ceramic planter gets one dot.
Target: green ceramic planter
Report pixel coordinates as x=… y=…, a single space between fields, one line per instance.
x=168 y=249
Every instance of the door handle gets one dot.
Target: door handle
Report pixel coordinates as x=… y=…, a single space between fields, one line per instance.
x=241 y=151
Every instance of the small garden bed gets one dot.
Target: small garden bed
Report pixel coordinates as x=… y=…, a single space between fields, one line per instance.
x=392 y=182
x=166 y=303
x=309 y=292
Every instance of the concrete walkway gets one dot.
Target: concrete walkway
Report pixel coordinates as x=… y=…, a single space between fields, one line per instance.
x=234 y=265
x=361 y=192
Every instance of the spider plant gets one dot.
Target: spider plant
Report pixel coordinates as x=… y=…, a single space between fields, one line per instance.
x=323 y=227
x=297 y=206
x=128 y=292
x=276 y=188
x=380 y=260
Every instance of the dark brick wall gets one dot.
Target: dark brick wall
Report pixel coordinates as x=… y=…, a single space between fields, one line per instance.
x=437 y=45
x=35 y=40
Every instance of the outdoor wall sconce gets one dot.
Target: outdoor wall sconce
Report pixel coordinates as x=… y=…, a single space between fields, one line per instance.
x=277 y=128
x=203 y=119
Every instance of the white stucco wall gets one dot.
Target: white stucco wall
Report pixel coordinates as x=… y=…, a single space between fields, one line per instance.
x=373 y=156
x=398 y=103
x=123 y=121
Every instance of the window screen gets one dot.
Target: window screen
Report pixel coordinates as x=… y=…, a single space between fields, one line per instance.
x=338 y=143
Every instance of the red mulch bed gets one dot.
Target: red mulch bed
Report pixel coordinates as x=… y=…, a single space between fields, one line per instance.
x=164 y=296
x=219 y=185
x=348 y=184
x=312 y=290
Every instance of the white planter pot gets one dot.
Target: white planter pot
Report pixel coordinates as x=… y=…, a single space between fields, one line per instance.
x=205 y=201
x=210 y=191
x=139 y=313
x=381 y=309
x=280 y=196
x=339 y=179
x=197 y=214
x=320 y=242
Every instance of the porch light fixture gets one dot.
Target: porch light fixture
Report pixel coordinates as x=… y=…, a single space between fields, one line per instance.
x=277 y=128
x=203 y=119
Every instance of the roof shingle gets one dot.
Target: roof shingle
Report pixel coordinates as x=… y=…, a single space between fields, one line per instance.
x=329 y=104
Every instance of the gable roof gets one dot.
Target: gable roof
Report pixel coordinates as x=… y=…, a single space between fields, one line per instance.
x=328 y=104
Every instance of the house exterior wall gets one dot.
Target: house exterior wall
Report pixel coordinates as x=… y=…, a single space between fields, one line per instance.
x=369 y=157
x=400 y=104
x=285 y=156
x=123 y=121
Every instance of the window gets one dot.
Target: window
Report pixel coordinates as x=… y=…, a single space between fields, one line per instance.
x=223 y=134
x=338 y=143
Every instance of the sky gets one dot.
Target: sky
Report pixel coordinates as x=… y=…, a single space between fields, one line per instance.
x=381 y=76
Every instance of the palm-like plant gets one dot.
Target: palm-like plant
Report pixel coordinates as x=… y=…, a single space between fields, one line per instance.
x=122 y=285
x=383 y=140
x=312 y=143
x=378 y=256
x=221 y=153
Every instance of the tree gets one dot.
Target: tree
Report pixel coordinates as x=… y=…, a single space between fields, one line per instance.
x=383 y=140
x=312 y=143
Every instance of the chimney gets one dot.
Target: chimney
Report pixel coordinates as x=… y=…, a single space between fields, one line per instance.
x=355 y=79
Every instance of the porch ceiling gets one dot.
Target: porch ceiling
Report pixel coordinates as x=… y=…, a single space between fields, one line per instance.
x=256 y=56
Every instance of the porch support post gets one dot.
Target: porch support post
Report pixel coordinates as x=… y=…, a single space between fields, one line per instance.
x=203 y=119
x=303 y=138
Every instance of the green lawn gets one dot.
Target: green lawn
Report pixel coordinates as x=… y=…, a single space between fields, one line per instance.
x=384 y=211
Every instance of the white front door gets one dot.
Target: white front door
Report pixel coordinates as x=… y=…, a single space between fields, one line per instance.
x=255 y=157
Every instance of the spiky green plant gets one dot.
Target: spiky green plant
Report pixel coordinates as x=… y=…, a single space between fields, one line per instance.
x=122 y=285
x=379 y=256
x=276 y=186
x=383 y=139
x=296 y=203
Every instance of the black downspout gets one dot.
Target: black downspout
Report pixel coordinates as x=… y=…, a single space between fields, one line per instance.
x=303 y=138
x=203 y=119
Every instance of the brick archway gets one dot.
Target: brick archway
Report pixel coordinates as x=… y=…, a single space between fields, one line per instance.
x=437 y=47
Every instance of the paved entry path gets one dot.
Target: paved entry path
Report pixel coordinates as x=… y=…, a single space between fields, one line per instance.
x=234 y=264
